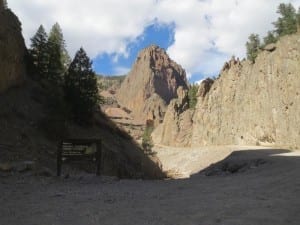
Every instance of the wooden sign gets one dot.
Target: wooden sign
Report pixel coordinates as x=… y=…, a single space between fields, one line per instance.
x=79 y=149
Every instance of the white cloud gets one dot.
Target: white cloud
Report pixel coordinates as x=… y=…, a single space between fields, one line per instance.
x=120 y=70
x=211 y=31
x=207 y=32
x=198 y=82
x=99 y=26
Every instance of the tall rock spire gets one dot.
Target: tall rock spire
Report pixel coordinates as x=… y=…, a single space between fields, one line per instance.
x=151 y=84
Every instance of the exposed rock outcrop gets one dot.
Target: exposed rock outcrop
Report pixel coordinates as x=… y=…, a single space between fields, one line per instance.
x=254 y=103
x=205 y=87
x=12 y=51
x=270 y=47
x=176 y=127
x=151 y=84
x=251 y=104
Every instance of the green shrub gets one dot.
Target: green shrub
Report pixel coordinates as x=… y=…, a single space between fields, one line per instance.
x=147 y=142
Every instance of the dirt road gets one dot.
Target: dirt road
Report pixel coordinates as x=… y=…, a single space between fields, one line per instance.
x=266 y=194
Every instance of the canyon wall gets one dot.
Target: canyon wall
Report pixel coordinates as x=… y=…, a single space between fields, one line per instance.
x=250 y=104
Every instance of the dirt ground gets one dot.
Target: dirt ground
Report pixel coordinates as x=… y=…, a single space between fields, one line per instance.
x=264 y=190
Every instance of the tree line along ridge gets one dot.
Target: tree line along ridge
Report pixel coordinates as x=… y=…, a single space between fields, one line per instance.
x=287 y=23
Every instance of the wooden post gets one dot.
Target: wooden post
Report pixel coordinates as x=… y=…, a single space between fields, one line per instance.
x=59 y=158
x=98 y=157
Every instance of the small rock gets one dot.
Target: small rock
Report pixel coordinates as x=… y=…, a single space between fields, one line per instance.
x=45 y=172
x=270 y=47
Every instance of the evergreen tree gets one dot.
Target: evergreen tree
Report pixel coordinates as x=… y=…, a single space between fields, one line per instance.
x=192 y=95
x=39 y=52
x=287 y=22
x=147 y=142
x=58 y=55
x=252 y=47
x=298 y=19
x=270 y=38
x=81 y=88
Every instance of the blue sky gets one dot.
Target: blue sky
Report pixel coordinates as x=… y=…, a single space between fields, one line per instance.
x=113 y=64
x=200 y=35
x=159 y=34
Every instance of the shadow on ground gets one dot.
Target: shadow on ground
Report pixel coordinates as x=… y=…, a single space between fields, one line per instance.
x=265 y=190
x=250 y=160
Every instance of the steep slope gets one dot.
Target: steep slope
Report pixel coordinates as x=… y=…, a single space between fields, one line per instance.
x=151 y=84
x=12 y=52
x=33 y=121
x=252 y=103
x=30 y=133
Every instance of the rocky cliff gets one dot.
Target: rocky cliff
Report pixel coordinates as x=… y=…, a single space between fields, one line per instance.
x=176 y=127
x=151 y=84
x=12 y=51
x=251 y=104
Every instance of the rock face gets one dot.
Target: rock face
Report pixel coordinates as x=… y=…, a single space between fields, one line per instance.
x=251 y=104
x=176 y=127
x=12 y=51
x=204 y=87
x=151 y=84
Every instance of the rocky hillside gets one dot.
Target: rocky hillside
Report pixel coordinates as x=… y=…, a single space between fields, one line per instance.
x=249 y=104
x=32 y=122
x=151 y=84
x=29 y=133
x=12 y=52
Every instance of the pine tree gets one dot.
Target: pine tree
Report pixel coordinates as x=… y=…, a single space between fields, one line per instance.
x=147 y=142
x=270 y=38
x=298 y=19
x=287 y=23
x=58 y=56
x=252 y=47
x=39 y=52
x=192 y=95
x=81 y=88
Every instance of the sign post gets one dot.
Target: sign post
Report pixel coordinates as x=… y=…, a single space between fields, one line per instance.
x=79 y=149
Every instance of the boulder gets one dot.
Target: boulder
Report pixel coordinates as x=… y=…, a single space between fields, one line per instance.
x=270 y=47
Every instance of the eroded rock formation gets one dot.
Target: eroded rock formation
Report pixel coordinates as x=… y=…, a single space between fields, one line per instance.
x=176 y=127
x=12 y=54
x=251 y=104
x=151 y=84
